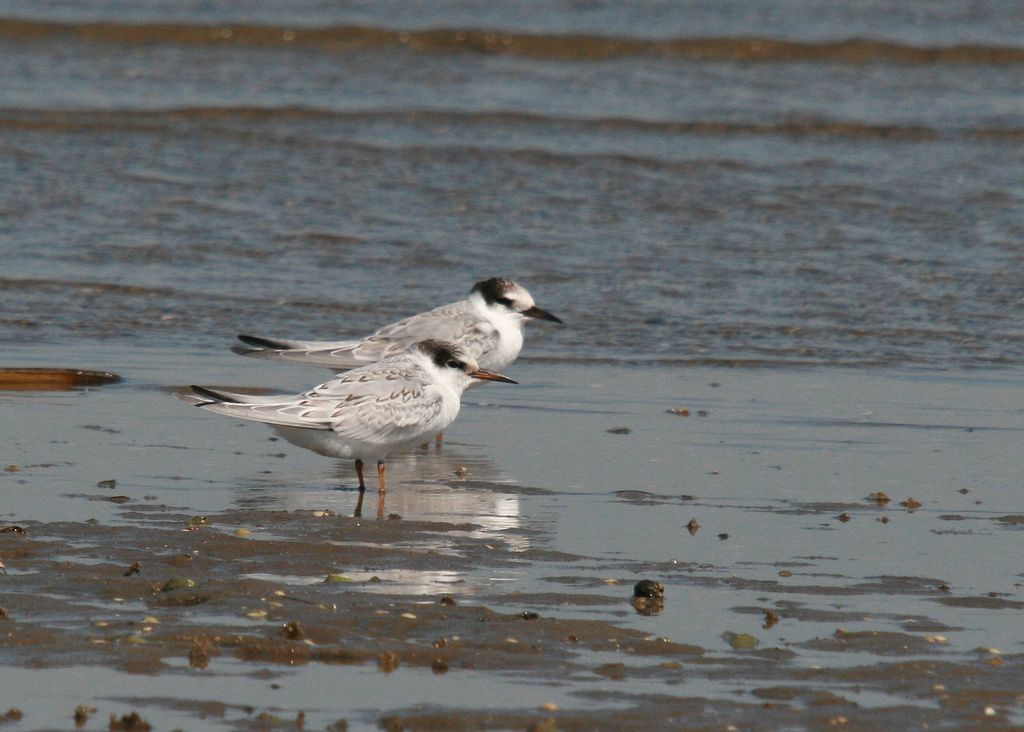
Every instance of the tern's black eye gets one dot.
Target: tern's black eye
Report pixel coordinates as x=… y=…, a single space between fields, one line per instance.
x=452 y=364
x=504 y=301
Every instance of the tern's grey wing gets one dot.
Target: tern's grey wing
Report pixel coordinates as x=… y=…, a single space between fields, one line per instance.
x=457 y=322
x=281 y=344
x=385 y=403
x=231 y=396
x=329 y=354
x=287 y=411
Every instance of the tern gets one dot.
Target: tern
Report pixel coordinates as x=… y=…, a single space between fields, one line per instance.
x=366 y=413
x=487 y=326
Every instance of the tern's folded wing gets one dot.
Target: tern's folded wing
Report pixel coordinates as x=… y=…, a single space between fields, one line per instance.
x=403 y=415
x=449 y=322
x=384 y=402
x=288 y=411
x=284 y=343
x=457 y=322
x=332 y=355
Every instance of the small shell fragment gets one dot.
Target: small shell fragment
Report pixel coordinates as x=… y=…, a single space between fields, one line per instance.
x=178 y=583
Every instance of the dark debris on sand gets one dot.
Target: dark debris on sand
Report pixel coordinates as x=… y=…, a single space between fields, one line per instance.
x=193 y=580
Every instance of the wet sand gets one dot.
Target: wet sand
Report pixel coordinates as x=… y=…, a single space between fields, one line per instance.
x=221 y=579
x=786 y=247
x=150 y=622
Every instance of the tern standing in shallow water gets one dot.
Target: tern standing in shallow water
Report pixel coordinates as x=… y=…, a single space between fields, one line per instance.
x=487 y=326
x=366 y=413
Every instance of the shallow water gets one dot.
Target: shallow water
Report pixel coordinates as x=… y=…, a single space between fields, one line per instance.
x=786 y=208
x=801 y=224
x=766 y=473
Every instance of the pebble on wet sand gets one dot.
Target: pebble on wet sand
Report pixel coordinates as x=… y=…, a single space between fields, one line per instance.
x=648 y=597
x=82 y=713
x=178 y=583
x=740 y=641
x=128 y=723
x=199 y=654
x=648 y=588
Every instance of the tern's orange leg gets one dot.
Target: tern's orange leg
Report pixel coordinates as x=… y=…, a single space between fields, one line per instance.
x=380 y=475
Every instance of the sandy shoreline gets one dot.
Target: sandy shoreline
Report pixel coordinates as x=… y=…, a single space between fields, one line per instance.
x=207 y=599
x=794 y=601
x=787 y=388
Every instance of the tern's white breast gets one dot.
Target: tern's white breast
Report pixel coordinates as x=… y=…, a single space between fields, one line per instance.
x=508 y=345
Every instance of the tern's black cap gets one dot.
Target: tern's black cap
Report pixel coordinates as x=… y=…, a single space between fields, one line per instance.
x=441 y=352
x=494 y=289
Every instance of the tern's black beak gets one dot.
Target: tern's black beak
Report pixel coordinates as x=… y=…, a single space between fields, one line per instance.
x=540 y=314
x=491 y=376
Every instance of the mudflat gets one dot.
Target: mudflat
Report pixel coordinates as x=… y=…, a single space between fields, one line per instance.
x=160 y=564
x=786 y=247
